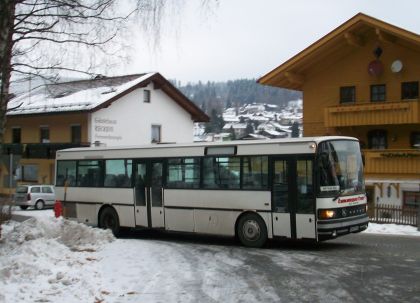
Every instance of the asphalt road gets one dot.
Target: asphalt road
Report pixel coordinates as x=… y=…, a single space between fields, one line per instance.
x=354 y=268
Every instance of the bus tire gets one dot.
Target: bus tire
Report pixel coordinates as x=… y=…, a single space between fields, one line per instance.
x=108 y=219
x=251 y=230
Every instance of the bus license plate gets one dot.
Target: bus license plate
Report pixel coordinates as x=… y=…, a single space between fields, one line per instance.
x=354 y=228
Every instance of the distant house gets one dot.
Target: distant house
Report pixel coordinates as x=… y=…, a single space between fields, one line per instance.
x=362 y=80
x=238 y=128
x=111 y=111
x=274 y=130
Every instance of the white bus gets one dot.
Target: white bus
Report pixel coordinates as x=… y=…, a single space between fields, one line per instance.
x=302 y=188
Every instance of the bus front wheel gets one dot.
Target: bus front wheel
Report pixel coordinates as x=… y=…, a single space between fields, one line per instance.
x=251 y=230
x=108 y=219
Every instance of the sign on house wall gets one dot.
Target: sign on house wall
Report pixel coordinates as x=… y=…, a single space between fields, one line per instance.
x=105 y=129
x=129 y=120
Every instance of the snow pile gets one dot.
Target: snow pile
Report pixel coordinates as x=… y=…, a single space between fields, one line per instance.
x=45 y=259
x=393 y=229
x=42 y=259
x=74 y=235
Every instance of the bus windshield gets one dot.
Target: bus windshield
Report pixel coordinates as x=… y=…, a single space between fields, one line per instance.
x=340 y=168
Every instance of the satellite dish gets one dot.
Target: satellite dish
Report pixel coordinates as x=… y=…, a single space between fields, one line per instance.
x=396 y=66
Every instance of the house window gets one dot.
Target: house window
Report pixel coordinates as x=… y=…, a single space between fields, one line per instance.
x=410 y=90
x=16 y=135
x=411 y=199
x=76 y=134
x=146 y=96
x=377 y=139
x=156 y=133
x=347 y=94
x=415 y=139
x=28 y=172
x=44 y=134
x=377 y=92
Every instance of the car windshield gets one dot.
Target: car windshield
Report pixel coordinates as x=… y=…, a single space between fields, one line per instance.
x=22 y=189
x=340 y=168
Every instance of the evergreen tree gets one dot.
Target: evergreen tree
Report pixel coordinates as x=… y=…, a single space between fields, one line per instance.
x=295 y=130
x=232 y=133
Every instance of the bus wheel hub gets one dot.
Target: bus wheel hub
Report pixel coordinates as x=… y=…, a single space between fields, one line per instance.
x=251 y=230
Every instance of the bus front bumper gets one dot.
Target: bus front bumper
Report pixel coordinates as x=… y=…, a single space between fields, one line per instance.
x=329 y=229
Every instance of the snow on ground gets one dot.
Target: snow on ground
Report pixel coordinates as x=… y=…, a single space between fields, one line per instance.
x=54 y=260
x=392 y=229
x=45 y=213
x=45 y=259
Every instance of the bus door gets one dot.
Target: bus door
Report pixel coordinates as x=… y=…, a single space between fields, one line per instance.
x=148 y=190
x=293 y=198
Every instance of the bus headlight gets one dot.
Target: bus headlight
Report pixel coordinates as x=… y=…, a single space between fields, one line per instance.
x=326 y=214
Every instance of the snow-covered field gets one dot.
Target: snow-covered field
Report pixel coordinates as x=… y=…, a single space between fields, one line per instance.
x=45 y=259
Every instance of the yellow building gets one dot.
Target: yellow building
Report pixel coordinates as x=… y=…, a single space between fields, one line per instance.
x=112 y=111
x=362 y=80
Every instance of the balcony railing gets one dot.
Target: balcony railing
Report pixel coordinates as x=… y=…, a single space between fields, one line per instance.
x=379 y=113
x=396 y=162
x=38 y=150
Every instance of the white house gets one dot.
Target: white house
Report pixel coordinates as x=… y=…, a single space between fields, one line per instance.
x=109 y=111
x=126 y=110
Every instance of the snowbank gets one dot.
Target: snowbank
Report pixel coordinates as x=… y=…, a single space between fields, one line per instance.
x=45 y=213
x=392 y=229
x=42 y=259
x=45 y=259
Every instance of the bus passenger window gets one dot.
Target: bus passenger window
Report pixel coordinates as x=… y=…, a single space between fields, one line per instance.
x=221 y=172
x=183 y=173
x=66 y=173
x=118 y=173
x=89 y=173
x=255 y=172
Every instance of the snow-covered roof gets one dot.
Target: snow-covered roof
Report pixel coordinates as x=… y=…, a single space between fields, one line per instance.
x=272 y=132
x=229 y=118
x=80 y=95
x=255 y=136
x=234 y=126
x=93 y=94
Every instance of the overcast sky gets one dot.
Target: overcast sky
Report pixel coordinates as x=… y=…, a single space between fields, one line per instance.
x=248 y=38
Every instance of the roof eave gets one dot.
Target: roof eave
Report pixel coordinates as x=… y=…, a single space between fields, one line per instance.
x=279 y=74
x=197 y=115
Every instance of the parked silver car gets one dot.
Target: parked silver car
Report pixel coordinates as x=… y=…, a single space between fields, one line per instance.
x=38 y=196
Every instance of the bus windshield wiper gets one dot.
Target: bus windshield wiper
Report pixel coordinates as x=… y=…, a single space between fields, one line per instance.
x=338 y=194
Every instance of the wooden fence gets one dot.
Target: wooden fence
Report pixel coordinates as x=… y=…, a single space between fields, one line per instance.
x=393 y=214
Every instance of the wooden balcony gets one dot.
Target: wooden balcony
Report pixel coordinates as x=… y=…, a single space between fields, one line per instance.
x=383 y=113
x=403 y=163
x=38 y=150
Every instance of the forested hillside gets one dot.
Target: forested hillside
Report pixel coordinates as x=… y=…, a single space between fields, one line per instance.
x=220 y=95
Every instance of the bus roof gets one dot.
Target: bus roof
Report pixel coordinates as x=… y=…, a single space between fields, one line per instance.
x=198 y=149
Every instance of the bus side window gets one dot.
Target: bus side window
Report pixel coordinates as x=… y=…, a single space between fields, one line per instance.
x=305 y=201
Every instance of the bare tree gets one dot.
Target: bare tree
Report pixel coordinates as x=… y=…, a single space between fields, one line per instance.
x=46 y=37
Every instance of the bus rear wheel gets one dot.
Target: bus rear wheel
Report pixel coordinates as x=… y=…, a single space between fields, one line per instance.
x=251 y=230
x=108 y=219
